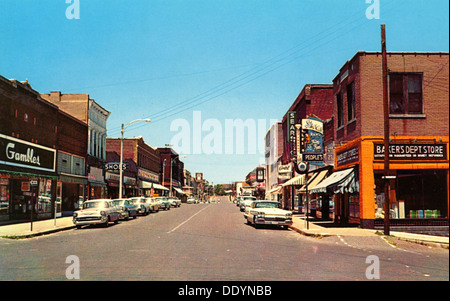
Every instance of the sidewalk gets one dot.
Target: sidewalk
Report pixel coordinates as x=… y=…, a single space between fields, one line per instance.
x=300 y=225
x=41 y=227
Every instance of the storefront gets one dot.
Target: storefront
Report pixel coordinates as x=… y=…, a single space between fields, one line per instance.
x=150 y=189
x=27 y=179
x=418 y=182
x=70 y=194
x=96 y=184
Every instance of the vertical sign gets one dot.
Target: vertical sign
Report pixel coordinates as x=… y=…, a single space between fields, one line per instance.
x=260 y=174
x=291 y=120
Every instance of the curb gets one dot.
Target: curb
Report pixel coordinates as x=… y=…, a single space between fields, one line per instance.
x=307 y=233
x=423 y=242
x=41 y=233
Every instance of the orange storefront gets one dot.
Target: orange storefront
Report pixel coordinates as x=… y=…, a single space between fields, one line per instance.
x=419 y=189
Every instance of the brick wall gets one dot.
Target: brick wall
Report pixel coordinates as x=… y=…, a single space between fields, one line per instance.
x=365 y=70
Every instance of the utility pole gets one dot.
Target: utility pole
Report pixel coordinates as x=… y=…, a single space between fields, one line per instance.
x=386 y=132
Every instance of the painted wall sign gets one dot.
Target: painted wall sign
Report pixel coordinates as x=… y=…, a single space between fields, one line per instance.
x=347 y=156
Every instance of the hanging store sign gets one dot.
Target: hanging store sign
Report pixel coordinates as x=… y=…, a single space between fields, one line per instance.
x=411 y=151
x=312 y=142
x=260 y=174
x=20 y=153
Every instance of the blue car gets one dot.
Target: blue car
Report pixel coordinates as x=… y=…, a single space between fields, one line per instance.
x=127 y=208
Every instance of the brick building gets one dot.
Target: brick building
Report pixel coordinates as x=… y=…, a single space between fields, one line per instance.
x=146 y=159
x=72 y=145
x=315 y=100
x=419 y=137
x=86 y=109
x=170 y=164
x=28 y=141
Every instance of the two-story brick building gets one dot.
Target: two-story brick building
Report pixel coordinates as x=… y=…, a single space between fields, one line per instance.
x=418 y=143
x=314 y=100
x=143 y=162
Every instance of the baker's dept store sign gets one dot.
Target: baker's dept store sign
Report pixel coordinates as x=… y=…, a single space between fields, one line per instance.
x=412 y=151
x=20 y=153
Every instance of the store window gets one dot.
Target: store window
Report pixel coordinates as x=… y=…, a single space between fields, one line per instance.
x=340 y=110
x=351 y=102
x=4 y=198
x=405 y=93
x=44 y=204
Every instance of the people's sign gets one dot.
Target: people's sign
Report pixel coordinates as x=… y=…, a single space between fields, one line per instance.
x=313 y=142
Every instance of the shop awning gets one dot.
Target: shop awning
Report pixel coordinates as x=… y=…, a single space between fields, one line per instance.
x=334 y=182
x=296 y=181
x=68 y=178
x=160 y=187
x=350 y=184
x=148 y=185
x=179 y=190
x=314 y=181
x=276 y=190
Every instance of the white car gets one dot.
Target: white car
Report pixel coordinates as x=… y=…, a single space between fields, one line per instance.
x=143 y=206
x=100 y=211
x=246 y=201
x=174 y=201
x=267 y=213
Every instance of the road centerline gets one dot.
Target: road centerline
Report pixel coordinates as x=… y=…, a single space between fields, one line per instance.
x=182 y=223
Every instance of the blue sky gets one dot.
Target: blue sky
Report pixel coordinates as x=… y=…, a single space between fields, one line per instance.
x=233 y=59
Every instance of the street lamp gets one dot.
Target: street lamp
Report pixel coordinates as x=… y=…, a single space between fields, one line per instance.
x=121 y=152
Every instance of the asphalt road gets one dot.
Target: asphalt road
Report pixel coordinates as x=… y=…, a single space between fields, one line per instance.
x=211 y=242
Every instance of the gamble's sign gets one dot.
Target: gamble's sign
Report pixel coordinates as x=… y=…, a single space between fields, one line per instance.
x=20 y=153
x=411 y=151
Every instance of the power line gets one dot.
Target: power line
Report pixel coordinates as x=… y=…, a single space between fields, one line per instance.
x=256 y=72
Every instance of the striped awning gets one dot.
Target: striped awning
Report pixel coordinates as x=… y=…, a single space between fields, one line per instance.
x=276 y=190
x=337 y=182
x=295 y=181
x=314 y=181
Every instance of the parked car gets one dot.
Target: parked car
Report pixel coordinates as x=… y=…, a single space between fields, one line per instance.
x=163 y=202
x=154 y=204
x=127 y=207
x=246 y=201
x=99 y=211
x=175 y=202
x=268 y=213
x=237 y=200
x=143 y=207
x=191 y=201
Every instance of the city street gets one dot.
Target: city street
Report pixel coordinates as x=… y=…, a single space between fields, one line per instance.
x=212 y=242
